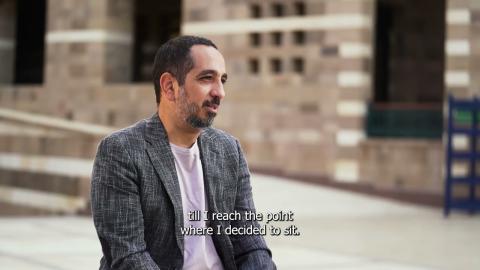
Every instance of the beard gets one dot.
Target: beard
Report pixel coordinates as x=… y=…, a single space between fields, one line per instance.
x=190 y=111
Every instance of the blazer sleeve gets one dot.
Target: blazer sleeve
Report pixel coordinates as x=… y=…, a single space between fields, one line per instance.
x=116 y=208
x=250 y=251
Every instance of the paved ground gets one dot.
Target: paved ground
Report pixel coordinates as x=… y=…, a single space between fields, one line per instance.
x=339 y=230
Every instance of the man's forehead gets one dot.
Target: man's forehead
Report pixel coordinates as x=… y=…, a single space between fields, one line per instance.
x=207 y=57
x=203 y=49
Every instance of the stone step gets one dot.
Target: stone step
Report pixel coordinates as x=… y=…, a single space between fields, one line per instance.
x=67 y=145
x=46 y=183
x=45 y=193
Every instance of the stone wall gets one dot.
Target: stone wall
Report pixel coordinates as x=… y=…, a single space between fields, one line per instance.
x=306 y=120
x=298 y=88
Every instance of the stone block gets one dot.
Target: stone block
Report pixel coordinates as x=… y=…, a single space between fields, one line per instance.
x=458 y=63
x=458 y=32
x=458 y=4
x=65 y=185
x=402 y=164
x=345 y=7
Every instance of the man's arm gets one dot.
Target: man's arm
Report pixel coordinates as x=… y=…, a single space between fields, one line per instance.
x=116 y=208
x=251 y=251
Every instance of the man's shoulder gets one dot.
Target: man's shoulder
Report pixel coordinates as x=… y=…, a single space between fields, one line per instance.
x=221 y=140
x=218 y=135
x=128 y=136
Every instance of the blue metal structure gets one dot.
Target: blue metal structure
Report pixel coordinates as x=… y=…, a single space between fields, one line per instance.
x=463 y=119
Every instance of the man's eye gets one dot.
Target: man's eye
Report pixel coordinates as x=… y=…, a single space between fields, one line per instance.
x=224 y=81
x=206 y=78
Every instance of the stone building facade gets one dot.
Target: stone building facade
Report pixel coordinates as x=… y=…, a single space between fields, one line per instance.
x=308 y=81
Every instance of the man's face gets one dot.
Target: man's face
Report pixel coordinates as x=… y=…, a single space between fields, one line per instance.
x=199 y=98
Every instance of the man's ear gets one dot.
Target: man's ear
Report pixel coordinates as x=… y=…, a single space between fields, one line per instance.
x=168 y=85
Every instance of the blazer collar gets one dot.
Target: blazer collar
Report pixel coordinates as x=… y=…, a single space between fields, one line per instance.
x=155 y=131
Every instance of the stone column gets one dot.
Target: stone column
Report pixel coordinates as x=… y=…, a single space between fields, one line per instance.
x=353 y=49
x=89 y=44
x=462 y=47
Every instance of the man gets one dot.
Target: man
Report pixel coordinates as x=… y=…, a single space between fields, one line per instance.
x=147 y=178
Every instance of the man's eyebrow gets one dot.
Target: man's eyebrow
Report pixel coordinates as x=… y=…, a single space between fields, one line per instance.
x=210 y=72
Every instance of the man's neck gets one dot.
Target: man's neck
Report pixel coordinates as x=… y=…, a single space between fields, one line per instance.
x=183 y=136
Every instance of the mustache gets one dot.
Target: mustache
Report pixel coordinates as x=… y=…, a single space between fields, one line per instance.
x=214 y=101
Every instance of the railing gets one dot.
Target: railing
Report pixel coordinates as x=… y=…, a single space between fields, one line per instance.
x=404 y=120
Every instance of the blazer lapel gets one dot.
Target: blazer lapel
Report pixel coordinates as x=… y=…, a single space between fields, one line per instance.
x=163 y=161
x=210 y=164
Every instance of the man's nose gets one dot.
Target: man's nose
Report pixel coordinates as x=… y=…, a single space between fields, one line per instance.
x=218 y=91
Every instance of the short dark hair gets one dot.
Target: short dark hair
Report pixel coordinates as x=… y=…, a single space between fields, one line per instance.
x=174 y=57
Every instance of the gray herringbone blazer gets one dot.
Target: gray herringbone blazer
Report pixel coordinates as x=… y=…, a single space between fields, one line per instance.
x=137 y=206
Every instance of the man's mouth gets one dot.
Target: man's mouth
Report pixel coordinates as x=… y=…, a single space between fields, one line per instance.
x=212 y=106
